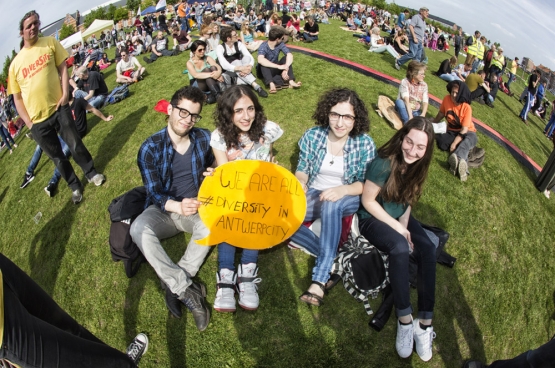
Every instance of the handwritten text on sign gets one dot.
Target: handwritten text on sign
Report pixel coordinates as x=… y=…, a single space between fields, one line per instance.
x=251 y=204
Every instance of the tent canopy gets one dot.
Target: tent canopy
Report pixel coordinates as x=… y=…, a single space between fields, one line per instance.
x=72 y=40
x=150 y=9
x=97 y=26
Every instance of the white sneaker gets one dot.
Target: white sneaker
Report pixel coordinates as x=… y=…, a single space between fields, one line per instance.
x=423 y=341
x=405 y=339
x=98 y=180
x=225 y=296
x=247 y=282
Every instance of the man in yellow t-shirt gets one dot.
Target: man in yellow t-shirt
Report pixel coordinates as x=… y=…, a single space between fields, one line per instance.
x=512 y=74
x=42 y=102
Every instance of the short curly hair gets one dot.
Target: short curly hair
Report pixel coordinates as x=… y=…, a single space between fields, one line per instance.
x=335 y=96
x=225 y=110
x=192 y=94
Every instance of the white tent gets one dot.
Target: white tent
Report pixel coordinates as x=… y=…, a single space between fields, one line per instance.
x=96 y=27
x=72 y=40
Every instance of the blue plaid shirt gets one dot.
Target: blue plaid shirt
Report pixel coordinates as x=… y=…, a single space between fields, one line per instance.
x=357 y=154
x=155 y=163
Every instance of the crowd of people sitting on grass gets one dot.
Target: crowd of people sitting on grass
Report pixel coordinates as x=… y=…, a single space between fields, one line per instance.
x=339 y=167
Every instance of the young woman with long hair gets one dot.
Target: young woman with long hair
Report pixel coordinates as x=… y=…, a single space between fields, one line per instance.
x=394 y=183
x=242 y=133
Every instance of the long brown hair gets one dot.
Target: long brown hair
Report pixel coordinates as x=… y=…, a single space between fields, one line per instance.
x=405 y=182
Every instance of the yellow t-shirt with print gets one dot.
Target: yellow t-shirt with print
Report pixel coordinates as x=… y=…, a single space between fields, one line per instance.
x=34 y=74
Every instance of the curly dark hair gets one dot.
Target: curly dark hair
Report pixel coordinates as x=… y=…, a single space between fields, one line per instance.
x=335 y=96
x=223 y=116
x=192 y=94
x=405 y=182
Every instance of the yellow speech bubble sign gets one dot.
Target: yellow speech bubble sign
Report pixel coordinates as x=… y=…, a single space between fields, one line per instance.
x=251 y=204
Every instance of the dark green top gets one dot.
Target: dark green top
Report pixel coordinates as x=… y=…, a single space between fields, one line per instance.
x=378 y=172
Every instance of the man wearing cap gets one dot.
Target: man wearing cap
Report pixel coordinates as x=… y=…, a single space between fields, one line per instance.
x=417 y=28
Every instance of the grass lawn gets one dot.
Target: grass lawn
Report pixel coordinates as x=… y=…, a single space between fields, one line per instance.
x=497 y=301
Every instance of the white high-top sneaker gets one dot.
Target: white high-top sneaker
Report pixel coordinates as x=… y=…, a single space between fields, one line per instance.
x=225 y=296
x=247 y=282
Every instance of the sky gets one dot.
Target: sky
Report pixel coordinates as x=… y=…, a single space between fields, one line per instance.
x=520 y=26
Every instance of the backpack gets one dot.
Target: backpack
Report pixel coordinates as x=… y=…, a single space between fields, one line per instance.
x=118 y=94
x=363 y=268
x=469 y=41
x=123 y=211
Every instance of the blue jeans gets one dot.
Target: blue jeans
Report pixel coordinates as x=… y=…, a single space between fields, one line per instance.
x=415 y=52
x=401 y=108
x=36 y=158
x=6 y=136
x=389 y=241
x=308 y=37
x=325 y=247
x=226 y=256
x=448 y=77
x=508 y=84
x=550 y=126
x=475 y=65
x=96 y=101
x=527 y=105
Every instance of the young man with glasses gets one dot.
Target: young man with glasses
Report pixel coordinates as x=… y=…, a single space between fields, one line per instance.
x=172 y=163
x=39 y=82
x=125 y=69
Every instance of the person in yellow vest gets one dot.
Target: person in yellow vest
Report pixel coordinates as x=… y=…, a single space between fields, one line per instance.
x=480 y=51
x=472 y=49
x=497 y=62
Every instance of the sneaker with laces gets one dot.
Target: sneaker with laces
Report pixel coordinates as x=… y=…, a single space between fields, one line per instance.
x=137 y=348
x=397 y=66
x=405 y=339
x=76 y=196
x=423 y=341
x=98 y=180
x=453 y=163
x=247 y=282
x=225 y=296
x=50 y=189
x=463 y=166
x=194 y=299
x=27 y=178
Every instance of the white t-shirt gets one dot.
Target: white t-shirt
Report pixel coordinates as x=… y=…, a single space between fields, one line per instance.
x=331 y=173
x=131 y=64
x=249 y=150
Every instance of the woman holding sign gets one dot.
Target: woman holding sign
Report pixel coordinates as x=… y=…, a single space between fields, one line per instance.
x=243 y=133
x=332 y=163
x=394 y=182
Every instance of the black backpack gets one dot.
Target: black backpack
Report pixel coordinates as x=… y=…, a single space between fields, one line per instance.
x=469 y=41
x=123 y=211
x=363 y=268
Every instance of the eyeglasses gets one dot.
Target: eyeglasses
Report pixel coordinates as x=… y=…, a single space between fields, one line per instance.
x=234 y=35
x=123 y=55
x=199 y=50
x=347 y=119
x=184 y=114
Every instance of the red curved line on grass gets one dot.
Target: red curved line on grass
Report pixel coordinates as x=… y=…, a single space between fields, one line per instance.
x=484 y=128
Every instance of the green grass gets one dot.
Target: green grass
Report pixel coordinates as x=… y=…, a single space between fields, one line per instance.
x=497 y=302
